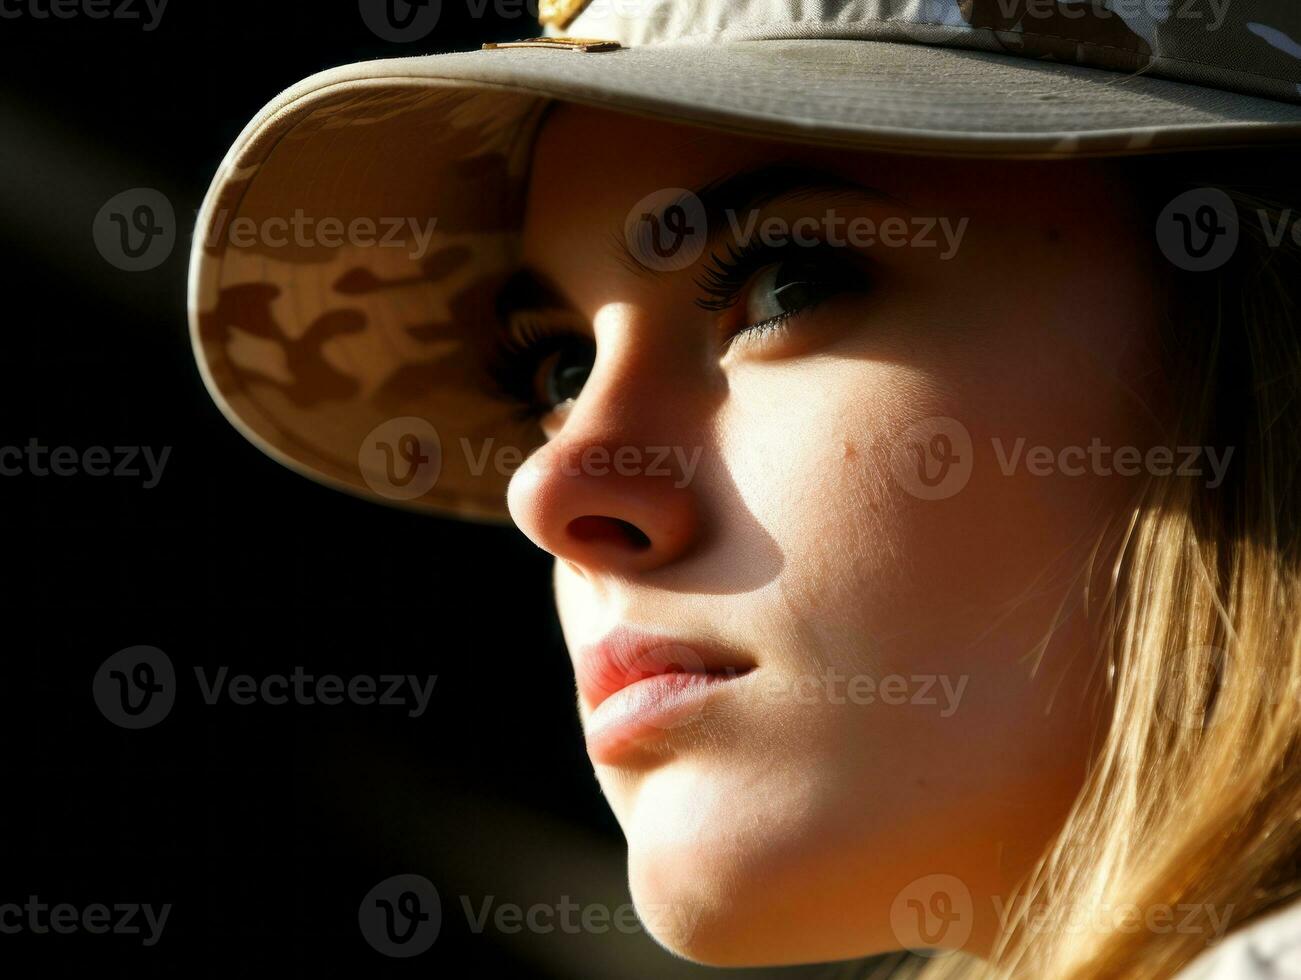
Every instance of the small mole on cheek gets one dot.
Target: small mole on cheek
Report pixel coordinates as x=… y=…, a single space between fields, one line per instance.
x=848 y=450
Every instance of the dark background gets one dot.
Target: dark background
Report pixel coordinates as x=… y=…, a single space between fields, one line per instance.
x=263 y=826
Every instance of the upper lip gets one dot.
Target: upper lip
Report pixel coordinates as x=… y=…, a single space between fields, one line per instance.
x=626 y=655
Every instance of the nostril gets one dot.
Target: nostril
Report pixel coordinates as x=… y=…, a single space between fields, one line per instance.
x=609 y=529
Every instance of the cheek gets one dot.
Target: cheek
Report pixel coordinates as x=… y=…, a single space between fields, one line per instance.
x=912 y=530
x=899 y=537
x=808 y=448
x=965 y=579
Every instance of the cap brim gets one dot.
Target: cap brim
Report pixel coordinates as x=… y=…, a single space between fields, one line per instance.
x=871 y=94
x=324 y=352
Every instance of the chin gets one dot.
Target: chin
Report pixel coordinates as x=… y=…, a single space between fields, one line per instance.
x=722 y=883
x=693 y=877
x=723 y=920
x=690 y=913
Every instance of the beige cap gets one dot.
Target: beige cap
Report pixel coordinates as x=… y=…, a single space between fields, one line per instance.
x=351 y=246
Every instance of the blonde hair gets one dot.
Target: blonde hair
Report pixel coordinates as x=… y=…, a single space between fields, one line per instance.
x=1192 y=805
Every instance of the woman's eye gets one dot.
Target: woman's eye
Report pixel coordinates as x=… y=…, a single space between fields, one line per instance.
x=538 y=362
x=769 y=289
x=784 y=288
x=562 y=374
x=759 y=286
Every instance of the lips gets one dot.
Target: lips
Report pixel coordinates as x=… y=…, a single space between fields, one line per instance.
x=640 y=685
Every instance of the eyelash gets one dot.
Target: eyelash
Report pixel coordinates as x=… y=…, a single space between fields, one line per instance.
x=520 y=349
x=727 y=275
x=516 y=354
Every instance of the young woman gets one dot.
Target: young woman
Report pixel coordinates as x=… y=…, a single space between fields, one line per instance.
x=917 y=434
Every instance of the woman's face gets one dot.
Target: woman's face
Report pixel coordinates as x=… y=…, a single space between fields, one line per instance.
x=813 y=475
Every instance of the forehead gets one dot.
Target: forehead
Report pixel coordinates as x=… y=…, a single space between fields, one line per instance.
x=592 y=162
x=591 y=166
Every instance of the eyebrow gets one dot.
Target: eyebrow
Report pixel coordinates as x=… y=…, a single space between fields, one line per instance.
x=752 y=189
x=721 y=201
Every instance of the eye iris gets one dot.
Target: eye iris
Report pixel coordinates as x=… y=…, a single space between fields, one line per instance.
x=784 y=287
x=565 y=373
x=793 y=286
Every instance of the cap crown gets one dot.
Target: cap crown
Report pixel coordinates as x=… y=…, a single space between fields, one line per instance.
x=1248 y=46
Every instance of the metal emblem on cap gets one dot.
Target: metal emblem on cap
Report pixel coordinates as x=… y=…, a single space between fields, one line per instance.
x=559 y=13
x=556 y=44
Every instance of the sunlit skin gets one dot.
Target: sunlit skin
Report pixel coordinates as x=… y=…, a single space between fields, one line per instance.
x=782 y=822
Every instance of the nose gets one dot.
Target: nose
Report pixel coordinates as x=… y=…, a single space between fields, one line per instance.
x=612 y=492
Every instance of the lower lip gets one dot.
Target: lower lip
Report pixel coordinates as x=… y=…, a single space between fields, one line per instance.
x=651 y=708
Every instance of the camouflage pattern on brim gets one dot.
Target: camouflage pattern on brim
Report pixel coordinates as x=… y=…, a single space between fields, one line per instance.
x=348 y=254
x=311 y=340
